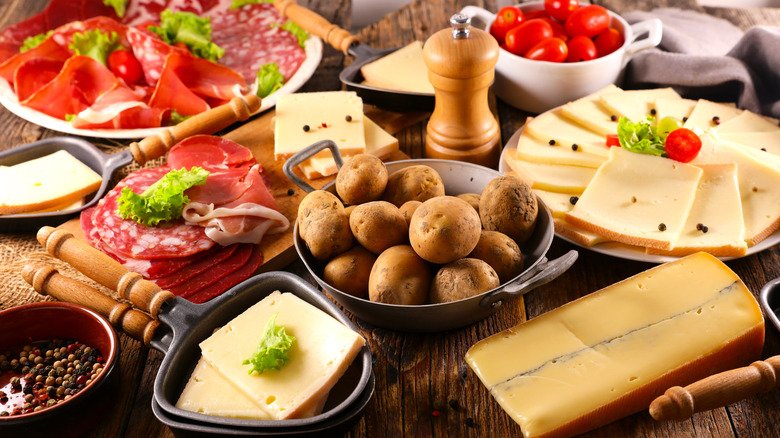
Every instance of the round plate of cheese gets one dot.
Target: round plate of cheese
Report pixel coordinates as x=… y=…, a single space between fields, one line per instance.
x=726 y=201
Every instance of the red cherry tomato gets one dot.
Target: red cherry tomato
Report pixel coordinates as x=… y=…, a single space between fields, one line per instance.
x=124 y=65
x=558 y=30
x=550 y=50
x=612 y=140
x=539 y=13
x=581 y=48
x=507 y=18
x=561 y=9
x=527 y=35
x=588 y=21
x=682 y=145
x=607 y=41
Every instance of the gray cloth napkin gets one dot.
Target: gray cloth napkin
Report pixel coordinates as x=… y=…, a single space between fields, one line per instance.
x=701 y=56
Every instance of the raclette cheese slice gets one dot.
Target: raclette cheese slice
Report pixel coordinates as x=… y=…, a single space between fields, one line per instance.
x=635 y=104
x=590 y=113
x=550 y=177
x=748 y=121
x=578 y=235
x=402 y=70
x=553 y=127
x=609 y=354
x=767 y=141
x=678 y=108
x=559 y=204
x=533 y=149
x=707 y=114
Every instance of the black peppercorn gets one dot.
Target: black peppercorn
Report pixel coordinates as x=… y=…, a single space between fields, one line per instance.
x=574 y=147
x=716 y=120
x=662 y=227
x=306 y=128
x=348 y=118
x=653 y=112
x=551 y=142
x=290 y=192
x=613 y=118
x=573 y=200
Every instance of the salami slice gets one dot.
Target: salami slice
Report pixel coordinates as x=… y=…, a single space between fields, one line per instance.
x=239 y=258
x=231 y=279
x=200 y=266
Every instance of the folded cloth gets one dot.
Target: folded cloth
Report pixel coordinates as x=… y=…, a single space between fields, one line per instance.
x=701 y=56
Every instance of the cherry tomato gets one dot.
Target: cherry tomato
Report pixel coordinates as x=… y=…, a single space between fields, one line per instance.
x=558 y=30
x=507 y=18
x=612 y=140
x=549 y=49
x=588 y=21
x=124 y=65
x=607 y=41
x=581 y=48
x=682 y=145
x=527 y=35
x=561 y=9
x=539 y=13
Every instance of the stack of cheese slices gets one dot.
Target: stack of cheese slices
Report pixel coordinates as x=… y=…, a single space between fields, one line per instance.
x=723 y=202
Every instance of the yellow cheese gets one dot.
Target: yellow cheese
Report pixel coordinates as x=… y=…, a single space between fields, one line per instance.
x=551 y=177
x=558 y=203
x=717 y=207
x=402 y=70
x=635 y=104
x=61 y=207
x=768 y=141
x=608 y=354
x=54 y=180
x=632 y=194
x=705 y=111
x=673 y=107
x=329 y=115
x=578 y=235
x=748 y=121
x=530 y=148
x=553 y=126
x=590 y=113
x=321 y=353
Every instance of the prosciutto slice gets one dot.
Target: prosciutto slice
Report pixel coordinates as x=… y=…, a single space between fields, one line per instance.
x=48 y=50
x=120 y=107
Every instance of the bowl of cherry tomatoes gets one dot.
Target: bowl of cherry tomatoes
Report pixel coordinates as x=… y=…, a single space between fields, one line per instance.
x=555 y=51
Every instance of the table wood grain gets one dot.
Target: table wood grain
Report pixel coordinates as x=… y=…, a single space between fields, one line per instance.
x=423 y=386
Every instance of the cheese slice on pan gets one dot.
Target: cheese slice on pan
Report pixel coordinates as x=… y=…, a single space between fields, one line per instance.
x=530 y=148
x=707 y=114
x=551 y=177
x=553 y=127
x=403 y=70
x=748 y=121
x=590 y=113
x=635 y=104
x=678 y=108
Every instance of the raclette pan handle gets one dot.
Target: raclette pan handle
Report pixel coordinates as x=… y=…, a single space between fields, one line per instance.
x=48 y=281
x=61 y=244
x=237 y=109
x=314 y=23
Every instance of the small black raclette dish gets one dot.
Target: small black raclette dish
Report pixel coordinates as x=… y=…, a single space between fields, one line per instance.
x=770 y=301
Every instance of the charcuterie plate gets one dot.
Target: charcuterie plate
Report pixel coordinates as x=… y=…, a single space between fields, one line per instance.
x=9 y=100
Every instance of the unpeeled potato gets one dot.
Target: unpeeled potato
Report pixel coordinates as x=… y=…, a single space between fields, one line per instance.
x=399 y=276
x=324 y=225
x=378 y=225
x=349 y=271
x=444 y=229
x=362 y=178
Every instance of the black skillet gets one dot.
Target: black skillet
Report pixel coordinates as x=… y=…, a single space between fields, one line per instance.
x=770 y=300
x=351 y=77
x=208 y=122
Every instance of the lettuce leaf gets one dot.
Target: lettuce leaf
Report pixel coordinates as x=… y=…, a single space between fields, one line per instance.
x=273 y=351
x=120 y=6
x=163 y=200
x=297 y=31
x=33 y=41
x=96 y=44
x=188 y=28
x=269 y=79
x=238 y=3
x=640 y=137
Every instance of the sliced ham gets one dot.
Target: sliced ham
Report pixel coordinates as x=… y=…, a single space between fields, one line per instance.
x=120 y=107
x=209 y=151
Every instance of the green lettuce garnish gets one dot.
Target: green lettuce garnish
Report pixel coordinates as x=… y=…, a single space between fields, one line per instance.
x=640 y=137
x=33 y=41
x=120 y=6
x=297 y=31
x=188 y=28
x=273 y=351
x=163 y=200
x=269 y=79
x=238 y=3
x=96 y=44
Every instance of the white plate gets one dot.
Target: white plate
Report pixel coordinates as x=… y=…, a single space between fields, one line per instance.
x=629 y=252
x=9 y=101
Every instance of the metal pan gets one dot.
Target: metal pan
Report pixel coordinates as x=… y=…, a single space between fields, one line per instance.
x=351 y=77
x=209 y=122
x=458 y=177
x=770 y=301
x=181 y=325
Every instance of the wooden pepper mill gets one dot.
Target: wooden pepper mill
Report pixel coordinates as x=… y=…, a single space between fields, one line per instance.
x=461 y=65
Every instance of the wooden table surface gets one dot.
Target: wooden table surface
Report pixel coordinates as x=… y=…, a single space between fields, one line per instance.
x=419 y=377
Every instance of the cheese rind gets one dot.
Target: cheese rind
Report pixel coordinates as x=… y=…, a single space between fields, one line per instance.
x=403 y=70
x=574 y=369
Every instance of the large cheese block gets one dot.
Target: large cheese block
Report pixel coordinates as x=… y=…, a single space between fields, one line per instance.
x=530 y=148
x=403 y=70
x=321 y=353
x=609 y=354
x=303 y=119
x=551 y=177
x=53 y=181
x=707 y=114
x=553 y=127
x=748 y=121
x=637 y=199
x=590 y=113
x=636 y=105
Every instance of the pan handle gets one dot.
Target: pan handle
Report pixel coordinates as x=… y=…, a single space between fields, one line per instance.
x=98 y=266
x=337 y=37
x=48 y=281
x=306 y=153
x=544 y=272
x=238 y=109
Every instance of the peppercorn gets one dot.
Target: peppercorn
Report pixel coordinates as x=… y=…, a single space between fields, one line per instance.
x=573 y=200
x=716 y=120
x=551 y=142
x=574 y=147
x=348 y=118
x=290 y=192
x=685 y=119
x=613 y=118
x=653 y=112
x=306 y=128
x=662 y=227
x=633 y=199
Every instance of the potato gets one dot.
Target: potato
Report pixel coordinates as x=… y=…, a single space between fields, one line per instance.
x=349 y=271
x=508 y=205
x=408 y=209
x=399 y=276
x=501 y=253
x=444 y=229
x=348 y=210
x=324 y=225
x=362 y=178
x=378 y=225
x=462 y=279
x=471 y=198
x=418 y=183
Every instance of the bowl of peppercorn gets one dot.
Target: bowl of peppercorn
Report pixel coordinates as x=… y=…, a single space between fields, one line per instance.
x=58 y=369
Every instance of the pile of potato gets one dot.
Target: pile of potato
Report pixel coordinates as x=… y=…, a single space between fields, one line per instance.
x=400 y=240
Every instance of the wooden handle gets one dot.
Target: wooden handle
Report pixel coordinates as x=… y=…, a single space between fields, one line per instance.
x=100 y=267
x=47 y=281
x=314 y=23
x=208 y=122
x=718 y=390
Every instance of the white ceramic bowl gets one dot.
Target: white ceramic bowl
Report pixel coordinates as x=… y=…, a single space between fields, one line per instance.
x=537 y=86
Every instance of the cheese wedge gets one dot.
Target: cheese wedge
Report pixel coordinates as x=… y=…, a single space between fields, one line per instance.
x=590 y=113
x=768 y=141
x=303 y=119
x=551 y=177
x=637 y=199
x=635 y=104
x=403 y=70
x=671 y=107
x=610 y=353
x=578 y=235
x=530 y=148
x=748 y=121
x=53 y=181
x=321 y=353
x=715 y=223
x=705 y=113
x=552 y=126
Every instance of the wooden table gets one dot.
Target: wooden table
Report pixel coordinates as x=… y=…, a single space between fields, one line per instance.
x=420 y=377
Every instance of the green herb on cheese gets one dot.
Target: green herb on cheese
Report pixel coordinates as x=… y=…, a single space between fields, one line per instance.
x=96 y=44
x=294 y=29
x=70 y=117
x=238 y=3
x=273 y=351
x=163 y=200
x=640 y=137
x=120 y=6
x=188 y=28
x=33 y=41
x=269 y=79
